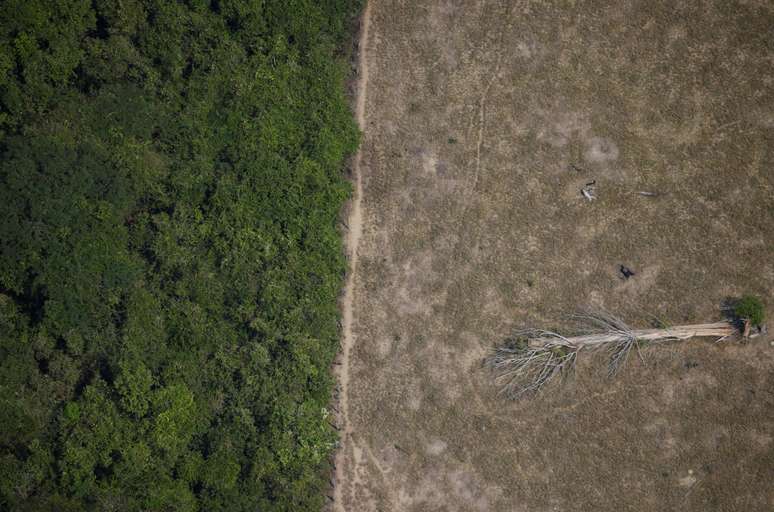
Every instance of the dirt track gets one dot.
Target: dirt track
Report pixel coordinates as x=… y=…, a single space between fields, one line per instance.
x=352 y=241
x=482 y=121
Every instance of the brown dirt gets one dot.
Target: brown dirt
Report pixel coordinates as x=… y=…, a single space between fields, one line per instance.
x=473 y=224
x=352 y=242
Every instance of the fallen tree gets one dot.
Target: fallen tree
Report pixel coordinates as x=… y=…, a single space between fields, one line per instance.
x=531 y=358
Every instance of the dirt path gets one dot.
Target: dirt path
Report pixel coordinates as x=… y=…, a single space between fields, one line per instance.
x=352 y=240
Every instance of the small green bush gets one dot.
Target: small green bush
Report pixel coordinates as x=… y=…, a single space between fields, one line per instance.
x=750 y=308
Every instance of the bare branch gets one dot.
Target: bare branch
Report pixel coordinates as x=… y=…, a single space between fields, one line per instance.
x=524 y=370
x=532 y=358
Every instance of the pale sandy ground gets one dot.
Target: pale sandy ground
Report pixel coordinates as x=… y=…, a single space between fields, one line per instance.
x=473 y=224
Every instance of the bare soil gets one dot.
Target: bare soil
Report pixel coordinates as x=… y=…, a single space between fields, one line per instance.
x=482 y=121
x=352 y=241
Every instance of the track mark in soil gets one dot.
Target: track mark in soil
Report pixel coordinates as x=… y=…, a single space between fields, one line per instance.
x=482 y=121
x=388 y=488
x=352 y=240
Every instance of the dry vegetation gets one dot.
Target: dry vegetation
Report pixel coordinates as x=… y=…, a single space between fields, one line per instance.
x=483 y=122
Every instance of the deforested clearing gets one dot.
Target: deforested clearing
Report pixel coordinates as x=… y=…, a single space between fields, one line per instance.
x=484 y=122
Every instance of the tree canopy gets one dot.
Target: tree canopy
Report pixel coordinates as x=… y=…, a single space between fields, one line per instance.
x=170 y=183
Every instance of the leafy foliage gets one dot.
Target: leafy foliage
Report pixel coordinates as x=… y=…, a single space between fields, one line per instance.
x=749 y=308
x=170 y=182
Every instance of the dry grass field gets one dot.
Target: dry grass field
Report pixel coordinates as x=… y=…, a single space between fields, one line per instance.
x=483 y=120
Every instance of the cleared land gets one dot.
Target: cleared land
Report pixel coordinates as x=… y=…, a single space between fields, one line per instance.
x=482 y=122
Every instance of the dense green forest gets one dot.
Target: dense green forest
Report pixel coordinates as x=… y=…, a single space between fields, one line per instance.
x=170 y=183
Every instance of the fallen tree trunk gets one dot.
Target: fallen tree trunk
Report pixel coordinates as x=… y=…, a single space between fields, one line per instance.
x=681 y=332
x=531 y=358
